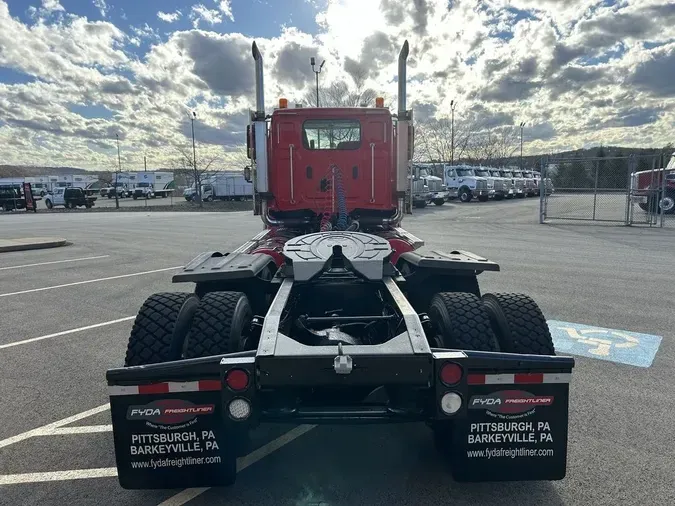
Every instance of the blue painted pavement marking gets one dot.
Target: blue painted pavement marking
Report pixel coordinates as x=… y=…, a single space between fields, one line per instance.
x=622 y=346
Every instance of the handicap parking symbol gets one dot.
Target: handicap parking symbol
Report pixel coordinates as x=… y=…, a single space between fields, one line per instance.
x=622 y=346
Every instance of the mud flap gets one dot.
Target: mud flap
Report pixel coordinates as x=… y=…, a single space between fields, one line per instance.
x=513 y=430
x=171 y=440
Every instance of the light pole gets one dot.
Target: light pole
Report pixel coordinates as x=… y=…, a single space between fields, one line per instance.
x=452 y=133
x=119 y=170
x=198 y=186
x=522 y=124
x=312 y=62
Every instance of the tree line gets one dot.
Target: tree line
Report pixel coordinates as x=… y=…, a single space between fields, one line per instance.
x=604 y=167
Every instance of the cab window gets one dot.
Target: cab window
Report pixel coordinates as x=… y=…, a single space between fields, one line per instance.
x=340 y=134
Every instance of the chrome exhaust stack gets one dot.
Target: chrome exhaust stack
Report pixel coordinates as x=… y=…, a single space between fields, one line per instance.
x=403 y=137
x=260 y=128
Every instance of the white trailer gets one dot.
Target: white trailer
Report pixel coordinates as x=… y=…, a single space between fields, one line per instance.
x=230 y=185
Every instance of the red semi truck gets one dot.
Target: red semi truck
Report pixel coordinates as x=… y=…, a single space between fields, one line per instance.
x=651 y=192
x=332 y=302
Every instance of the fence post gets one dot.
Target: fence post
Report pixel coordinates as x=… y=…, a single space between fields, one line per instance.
x=662 y=167
x=542 y=191
x=595 y=188
x=629 y=192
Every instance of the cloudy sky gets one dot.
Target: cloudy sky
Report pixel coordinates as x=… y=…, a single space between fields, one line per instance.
x=74 y=73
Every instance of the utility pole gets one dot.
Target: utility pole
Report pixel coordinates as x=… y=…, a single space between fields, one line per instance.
x=522 y=124
x=312 y=62
x=145 y=163
x=452 y=133
x=119 y=170
x=198 y=185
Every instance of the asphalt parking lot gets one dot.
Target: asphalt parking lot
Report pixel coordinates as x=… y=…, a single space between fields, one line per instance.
x=65 y=315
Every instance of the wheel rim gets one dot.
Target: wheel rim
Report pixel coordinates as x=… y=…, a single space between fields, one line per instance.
x=667 y=204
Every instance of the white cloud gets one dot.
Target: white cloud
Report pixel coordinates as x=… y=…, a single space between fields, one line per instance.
x=226 y=8
x=52 y=5
x=169 y=17
x=201 y=13
x=101 y=6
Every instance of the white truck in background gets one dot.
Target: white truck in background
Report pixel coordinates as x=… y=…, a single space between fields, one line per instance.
x=151 y=184
x=462 y=181
x=426 y=187
x=229 y=185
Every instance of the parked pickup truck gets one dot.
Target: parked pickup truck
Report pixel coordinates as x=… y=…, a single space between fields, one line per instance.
x=70 y=198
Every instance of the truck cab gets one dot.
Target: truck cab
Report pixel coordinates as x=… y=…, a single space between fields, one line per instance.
x=503 y=185
x=462 y=180
x=427 y=187
x=495 y=185
x=120 y=189
x=508 y=175
x=531 y=186
x=143 y=190
x=652 y=192
x=519 y=183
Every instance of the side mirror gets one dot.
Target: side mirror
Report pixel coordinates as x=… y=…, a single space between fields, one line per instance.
x=247 y=174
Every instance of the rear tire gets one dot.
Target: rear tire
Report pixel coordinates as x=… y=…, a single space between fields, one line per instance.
x=483 y=198
x=160 y=328
x=519 y=324
x=220 y=325
x=439 y=202
x=461 y=323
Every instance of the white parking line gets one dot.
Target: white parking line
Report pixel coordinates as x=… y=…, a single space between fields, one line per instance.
x=75 y=474
x=188 y=494
x=32 y=290
x=45 y=429
x=80 y=429
x=54 y=262
x=65 y=332
x=56 y=428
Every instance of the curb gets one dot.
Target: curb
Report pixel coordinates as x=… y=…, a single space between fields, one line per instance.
x=29 y=243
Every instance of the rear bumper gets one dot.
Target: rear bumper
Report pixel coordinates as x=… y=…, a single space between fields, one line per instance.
x=513 y=406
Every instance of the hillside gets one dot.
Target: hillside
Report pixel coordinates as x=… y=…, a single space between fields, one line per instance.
x=29 y=171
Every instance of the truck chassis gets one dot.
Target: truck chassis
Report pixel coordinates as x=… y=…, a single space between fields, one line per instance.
x=257 y=344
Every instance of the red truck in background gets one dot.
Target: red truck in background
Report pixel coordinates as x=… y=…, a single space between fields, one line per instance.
x=650 y=192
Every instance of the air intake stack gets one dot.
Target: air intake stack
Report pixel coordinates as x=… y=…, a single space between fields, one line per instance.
x=404 y=138
x=260 y=128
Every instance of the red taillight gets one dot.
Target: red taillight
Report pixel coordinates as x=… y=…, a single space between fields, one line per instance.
x=451 y=373
x=237 y=379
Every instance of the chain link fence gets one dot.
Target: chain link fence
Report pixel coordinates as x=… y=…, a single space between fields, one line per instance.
x=628 y=190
